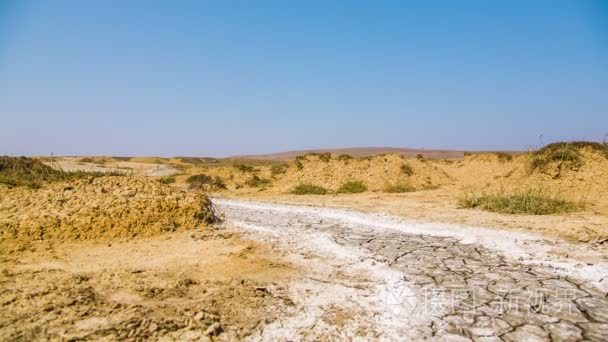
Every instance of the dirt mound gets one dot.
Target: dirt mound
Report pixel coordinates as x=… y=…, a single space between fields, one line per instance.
x=98 y=208
x=331 y=171
x=576 y=173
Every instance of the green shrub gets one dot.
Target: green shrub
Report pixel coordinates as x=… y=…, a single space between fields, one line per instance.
x=352 y=187
x=256 y=181
x=399 y=188
x=531 y=202
x=407 y=169
x=308 y=189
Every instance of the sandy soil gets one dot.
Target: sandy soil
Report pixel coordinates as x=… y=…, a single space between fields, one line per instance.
x=181 y=286
x=110 y=207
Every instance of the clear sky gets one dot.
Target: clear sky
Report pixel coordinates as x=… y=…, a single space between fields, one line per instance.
x=219 y=78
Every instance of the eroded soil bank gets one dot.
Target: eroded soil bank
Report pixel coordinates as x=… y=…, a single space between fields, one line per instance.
x=198 y=285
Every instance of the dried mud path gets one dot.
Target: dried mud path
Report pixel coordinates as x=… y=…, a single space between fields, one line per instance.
x=374 y=276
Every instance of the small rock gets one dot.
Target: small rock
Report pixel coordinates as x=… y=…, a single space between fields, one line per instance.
x=153 y=327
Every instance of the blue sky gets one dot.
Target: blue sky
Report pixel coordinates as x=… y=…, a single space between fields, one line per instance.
x=219 y=78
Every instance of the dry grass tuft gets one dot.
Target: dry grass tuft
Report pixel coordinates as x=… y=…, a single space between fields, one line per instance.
x=205 y=182
x=255 y=181
x=352 y=187
x=531 y=202
x=23 y=171
x=568 y=155
x=308 y=189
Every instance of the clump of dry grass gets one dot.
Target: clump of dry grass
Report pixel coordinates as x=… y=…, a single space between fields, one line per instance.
x=255 y=181
x=344 y=157
x=567 y=154
x=531 y=202
x=245 y=168
x=205 y=182
x=277 y=169
x=23 y=171
x=407 y=169
x=167 y=180
x=308 y=189
x=503 y=156
x=352 y=187
x=399 y=188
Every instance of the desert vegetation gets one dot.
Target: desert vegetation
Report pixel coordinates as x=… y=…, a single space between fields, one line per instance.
x=530 y=202
x=567 y=155
x=352 y=187
x=245 y=168
x=205 y=182
x=309 y=189
x=278 y=169
x=256 y=181
x=407 y=169
x=23 y=171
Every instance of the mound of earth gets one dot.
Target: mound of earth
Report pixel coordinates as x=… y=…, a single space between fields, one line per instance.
x=376 y=172
x=98 y=208
x=580 y=173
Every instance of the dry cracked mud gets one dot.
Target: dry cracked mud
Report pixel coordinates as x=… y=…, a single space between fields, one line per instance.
x=383 y=278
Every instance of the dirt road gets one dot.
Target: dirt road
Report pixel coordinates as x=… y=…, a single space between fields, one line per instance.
x=381 y=277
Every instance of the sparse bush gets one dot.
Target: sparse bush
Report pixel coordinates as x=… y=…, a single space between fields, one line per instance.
x=245 y=168
x=344 y=157
x=503 y=156
x=419 y=156
x=531 y=202
x=256 y=181
x=399 y=188
x=205 y=182
x=308 y=189
x=86 y=160
x=299 y=162
x=407 y=169
x=324 y=157
x=167 y=180
x=277 y=169
x=352 y=187
x=23 y=171
x=567 y=154
x=123 y=158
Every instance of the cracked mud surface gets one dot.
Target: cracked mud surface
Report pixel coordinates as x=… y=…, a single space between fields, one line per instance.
x=421 y=286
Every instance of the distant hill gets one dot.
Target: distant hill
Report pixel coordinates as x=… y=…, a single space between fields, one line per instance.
x=361 y=152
